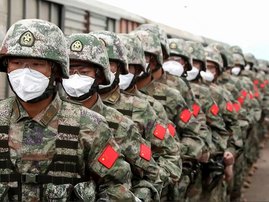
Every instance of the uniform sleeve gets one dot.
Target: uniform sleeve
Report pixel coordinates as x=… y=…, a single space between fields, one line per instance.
x=104 y=162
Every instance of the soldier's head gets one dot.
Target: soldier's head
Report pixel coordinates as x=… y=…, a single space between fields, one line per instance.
x=89 y=66
x=251 y=61
x=179 y=54
x=115 y=50
x=156 y=29
x=226 y=54
x=34 y=55
x=214 y=63
x=198 y=59
x=239 y=64
x=136 y=61
x=152 y=49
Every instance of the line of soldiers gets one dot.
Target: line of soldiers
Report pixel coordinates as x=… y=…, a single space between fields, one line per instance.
x=102 y=116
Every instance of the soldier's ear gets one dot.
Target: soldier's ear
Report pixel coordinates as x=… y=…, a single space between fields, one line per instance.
x=56 y=71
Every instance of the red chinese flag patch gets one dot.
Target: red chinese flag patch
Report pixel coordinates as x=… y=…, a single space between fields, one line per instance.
x=159 y=131
x=237 y=107
x=251 y=96
x=108 y=157
x=256 y=82
x=229 y=106
x=214 y=109
x=244 y=93
x=145 y=152
x=171 y=129
x=241 y=100
x=262 y=85
x=256 y=94
x=185 y=115
x=195 y=109
x=266 y=82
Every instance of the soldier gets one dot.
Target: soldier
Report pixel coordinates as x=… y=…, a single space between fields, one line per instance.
x=212 y=171
x=140 y=111
x=177 y=110
x=176 y=68
x=51 y=149
x=89 y=62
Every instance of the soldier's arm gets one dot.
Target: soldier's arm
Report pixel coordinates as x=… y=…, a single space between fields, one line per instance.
x=104 y=162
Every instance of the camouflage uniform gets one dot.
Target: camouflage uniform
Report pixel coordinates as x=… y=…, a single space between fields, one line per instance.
x=177 y=110
x=136 y=150
x=165 y=149
x=44 y=157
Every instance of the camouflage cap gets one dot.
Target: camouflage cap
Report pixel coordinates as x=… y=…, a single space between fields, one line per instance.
x=262 y=65
x=88 y=48
x=36 y=39
x=160 y=32
x=236 y=49
x=150 y=42
x=196 y=51
x=226 y=54
x=250 y=58
x=114 y=46
x=238 y=59
x=134 y=48
x=178 y=47
x=213 y=55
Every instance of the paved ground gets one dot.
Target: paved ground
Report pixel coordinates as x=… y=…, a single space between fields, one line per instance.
x=259 y=190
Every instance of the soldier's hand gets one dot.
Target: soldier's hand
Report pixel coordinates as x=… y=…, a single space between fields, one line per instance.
x=228 y=158
x=204 y=157
x=228 y=173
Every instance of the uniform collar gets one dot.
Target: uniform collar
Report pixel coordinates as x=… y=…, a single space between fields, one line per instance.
x=98 y=106
x=44 y=117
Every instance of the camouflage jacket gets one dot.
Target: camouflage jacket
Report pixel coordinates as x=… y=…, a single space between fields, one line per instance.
x=184 y=87
x=56 y=143
x=163 y=144
x=178 y=112
x=225 y=102
x=156 y=105
x=234 y=86
x=213 y=117
x=136 y=149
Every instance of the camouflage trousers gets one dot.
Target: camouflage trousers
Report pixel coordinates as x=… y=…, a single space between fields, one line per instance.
x=218 y=194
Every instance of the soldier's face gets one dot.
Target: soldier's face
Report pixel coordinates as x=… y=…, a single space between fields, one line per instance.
x=197 y=64
x=135 y=69
x=212 y=67
x=113 y=66
x=82 y=68
x=40 y=65
x=151 y=60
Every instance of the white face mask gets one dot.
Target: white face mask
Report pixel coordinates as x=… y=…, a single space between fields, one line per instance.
x=247 y=67
x=192 y=74
x=236 y=70
x=207 y=75
x=173 y=67
x=112 y=78
x=28 y=84
x=125 y=80
x=77 y=85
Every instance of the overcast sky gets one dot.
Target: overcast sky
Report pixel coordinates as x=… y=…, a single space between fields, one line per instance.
x=236 y=22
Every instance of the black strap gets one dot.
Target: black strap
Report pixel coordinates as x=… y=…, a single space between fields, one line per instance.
x=4 y=129
x=113 y=125
x=4 y=155
x=159 y=97
x=68 y=129
x=65 y=158
x=72 y=168
x=6 y=164
x=126 y=112
x=4 y=144
x=66 y=144
x=38 y=179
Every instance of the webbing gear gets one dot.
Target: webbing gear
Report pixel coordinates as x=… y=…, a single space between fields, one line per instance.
x=61 y=162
